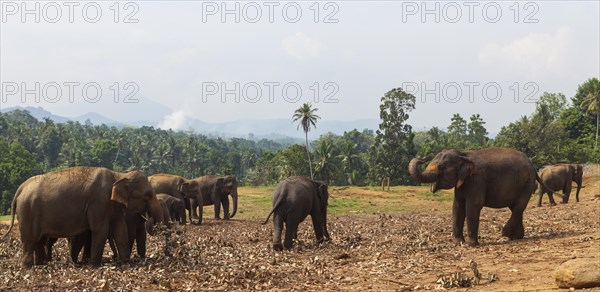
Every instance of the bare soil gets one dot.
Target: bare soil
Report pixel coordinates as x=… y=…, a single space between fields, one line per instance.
x=408 y=250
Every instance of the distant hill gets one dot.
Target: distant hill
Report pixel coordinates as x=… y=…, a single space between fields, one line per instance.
x=272 y=129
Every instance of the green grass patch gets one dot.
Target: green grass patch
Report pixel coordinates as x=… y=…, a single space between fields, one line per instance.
x=5 y=218
x=439 y=196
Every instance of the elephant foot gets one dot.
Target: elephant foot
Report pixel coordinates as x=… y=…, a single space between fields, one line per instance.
x=278 y=246
x=539 y=205
x=217 y=218
x=459 y=239
x=472 y=242
x=552 y=204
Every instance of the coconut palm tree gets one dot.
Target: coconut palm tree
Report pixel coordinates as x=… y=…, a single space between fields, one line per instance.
x=306 y=117
x=591 y=103
x=326 y=164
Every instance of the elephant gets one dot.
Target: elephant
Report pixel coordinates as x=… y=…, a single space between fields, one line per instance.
x=135 y=233
x=491 y=177
x=558 y=177
x=293 y=199
x=71 y=201
x=214 y=190
x=172 y=205
x=178 y=187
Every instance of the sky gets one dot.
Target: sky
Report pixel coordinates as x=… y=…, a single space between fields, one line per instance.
x=225 y=61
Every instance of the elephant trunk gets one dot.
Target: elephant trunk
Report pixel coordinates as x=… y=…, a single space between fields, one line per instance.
x=428 y=176
x=156 y=212
x=234 y=196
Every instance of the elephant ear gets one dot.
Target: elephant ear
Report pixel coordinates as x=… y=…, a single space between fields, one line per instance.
x=120 y=191
x=466 y=169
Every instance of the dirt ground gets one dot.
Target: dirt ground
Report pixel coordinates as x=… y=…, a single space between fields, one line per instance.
x=383 y=252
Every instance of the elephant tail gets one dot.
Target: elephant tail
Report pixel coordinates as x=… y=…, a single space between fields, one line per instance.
x=277 y=204
x=12 y=212
x=544 y=187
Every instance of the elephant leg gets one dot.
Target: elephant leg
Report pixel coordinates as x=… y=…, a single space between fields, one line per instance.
x=217 y=207
x=473 y=210
x=200 y=211
x=182 y=215
x=193 y=206
x=113 y=248
x=317 y=220
x=40 y=251
x=76 y=244
x=140 y=240
x=87 y=246
x=121 y=238
x=541 y=195
x=98 y=240
x=291 y=232
x=277 y=229
x=131 y=233
x=49 y=245
x=458 y=217
x=225 y=203
x=552 y=202
x=28 y=250
x=514 y=228
x=566 y=193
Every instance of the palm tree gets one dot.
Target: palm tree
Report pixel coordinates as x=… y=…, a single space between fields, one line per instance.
x=306 y=117
x=326 y=164
x=591 y=103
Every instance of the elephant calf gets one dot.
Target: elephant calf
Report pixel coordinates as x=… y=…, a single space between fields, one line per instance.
x=293 y=200
x=172 y=205
x=559 y=177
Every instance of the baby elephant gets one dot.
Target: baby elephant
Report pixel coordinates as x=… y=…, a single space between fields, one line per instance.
x=173 y=205
x=293 y=200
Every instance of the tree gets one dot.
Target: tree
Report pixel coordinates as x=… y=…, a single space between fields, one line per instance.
x=457 y=132
x=476 y=132
x=325 y=165
x=591 y=103
x=393 y=146
x=306 y=117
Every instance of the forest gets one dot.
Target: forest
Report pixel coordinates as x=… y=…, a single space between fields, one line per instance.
x=560 y=129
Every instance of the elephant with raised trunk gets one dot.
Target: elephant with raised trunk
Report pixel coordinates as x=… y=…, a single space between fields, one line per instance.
x=215 y=190
x=71 y=201
x=490 y=177
x=559 y=177
x=293 y=200
x=178 y=187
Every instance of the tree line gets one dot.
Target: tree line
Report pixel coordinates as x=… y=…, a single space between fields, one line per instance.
x=557 y=131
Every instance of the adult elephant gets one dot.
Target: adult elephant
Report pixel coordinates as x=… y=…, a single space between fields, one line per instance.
x=68 y=202
x=215 y=190
x=175 y=186
x=559 y=177
x=491 y=177
x=293 y=200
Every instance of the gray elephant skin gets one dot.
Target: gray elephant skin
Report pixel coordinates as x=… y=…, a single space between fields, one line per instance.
x=90 y=198
x=558 y=177
x=175 y=186
x=215 y=190
x=490 y=177
x=293 y=200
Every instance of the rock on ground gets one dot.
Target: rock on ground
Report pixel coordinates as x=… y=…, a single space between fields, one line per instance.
x=578 y=273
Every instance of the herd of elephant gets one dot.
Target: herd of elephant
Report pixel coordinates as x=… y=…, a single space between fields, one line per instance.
x=92 y=205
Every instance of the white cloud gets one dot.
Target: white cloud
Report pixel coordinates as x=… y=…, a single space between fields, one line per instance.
x=534 y=54
x=177 y=120
x=301 y=47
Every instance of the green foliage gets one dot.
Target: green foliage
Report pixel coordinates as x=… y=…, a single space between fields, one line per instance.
x=16 y=165
x=393 y=146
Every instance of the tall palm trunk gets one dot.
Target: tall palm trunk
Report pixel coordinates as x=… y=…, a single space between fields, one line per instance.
x=308 y=154
x=596 y=143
